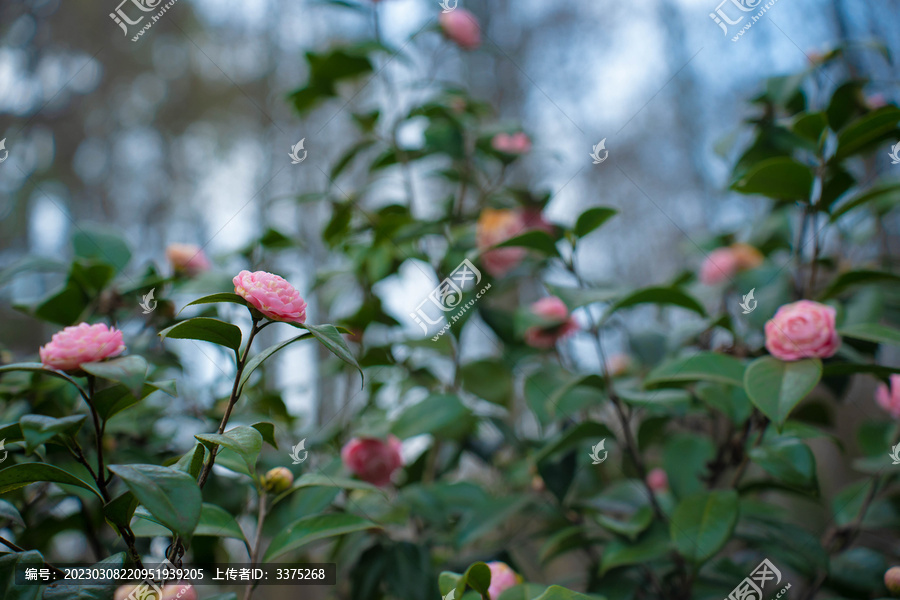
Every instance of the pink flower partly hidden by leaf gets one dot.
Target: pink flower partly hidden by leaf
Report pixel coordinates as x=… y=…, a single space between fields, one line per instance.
x=562 y=323
x=517 y=143
x=461 y=27
x=502 y=578
x=888 y=396
x=495 y=226
x=372 y=459
x=187 y=258
x=68 y=349
x=657 y=480
x=271 y=295
x=803 y=329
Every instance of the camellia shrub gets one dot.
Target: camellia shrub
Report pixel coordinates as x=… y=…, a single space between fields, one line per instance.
x=525 y=433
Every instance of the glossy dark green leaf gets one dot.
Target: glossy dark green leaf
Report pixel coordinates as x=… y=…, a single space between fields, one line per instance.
x=443 y=415
x=592 y=218
x=116 y=398
x=267 y=431
x=20 y=475
x=872 y=332
x=702 y=523
x=218 y=298
x=703 y=366
x=535 y=239
x=862 y=134
x=330 y=337
x=100 y=589
x=582 y=435
x=39 y=429
x=170 y=495
x=881 y=195
x=658 y=295
x=851 y=279
x=314 y=528
x=215 y=521
x=780 y=178
x=789 y=460
x=631 y=525
x=130 y=371
x=191 y=462
x=490 y=379
x=477 y=576
x=102 y=244
x=9 y=563
x=811 y=126
x=775 y=387
x=206 y=330
x=263 y=355
x=39 y=368
x=322 y=480
x=246 y=442
x=651 y=545
x=9 y=513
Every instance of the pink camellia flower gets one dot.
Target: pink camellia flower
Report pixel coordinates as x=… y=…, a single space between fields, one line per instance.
x=803 y=329
x=657 y=480
x=618 y=364
x=502 y=578
x=271 y=295
x=187 y=258
x=372 y=459
x=495 y=226
x=73 y=346
x=461 y=27
x=720 y=265
x=517 y=143
x=892 y=580
x=553 y=309
x=888 y=396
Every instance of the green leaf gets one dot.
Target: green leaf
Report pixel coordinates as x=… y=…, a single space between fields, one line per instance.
x=102 y=244
x=658 y=295
x=664 y=398
x=702 y=523
x=321 y=480
x=191 y=462
x=884 y=195
x=775 y=387
x=206 y=330
x=260 y=358
x=789 y=460
x=330 y=337
x=685 y=458
x=651 y=545
x=13 y=561
x=220 y=297
x=246 y=442
x=872 y=332
x=39 y=368
x=851 y=279
x=779 y=178
x=811 y=126
x=536 y=239
x=588 y=431
x=313 y=528
x=868 y=130
x=101 y=589
x=18 y=476
x=267 y=431
x=440 y=414
x=114 y=399
x=64 y=307
x=477 y=576
x=214 y=522
x=120 y=510
x=8 y=512
x=592 y=218
x=703 y=366
x=490 y=379
x=130 y=371
x=173 y=497
x=630 y=526
x=38 y=429
x=555 y=592
x=577 y=297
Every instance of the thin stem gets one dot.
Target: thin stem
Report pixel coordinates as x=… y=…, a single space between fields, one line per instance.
x=746 y=459
x=254 y=554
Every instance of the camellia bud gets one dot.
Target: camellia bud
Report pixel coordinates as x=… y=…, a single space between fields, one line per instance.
x=278 y=480
x=892 y=580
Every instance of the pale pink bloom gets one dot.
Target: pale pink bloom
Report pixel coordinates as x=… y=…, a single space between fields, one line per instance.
x=517 y=143
x=888 y=396
x=495 y=226
x=187 y=258
x=720 y=265
x=372 y=459
x=552 y=309
x=876 y=101
x=461 y=27
x=618 y=364
x=803 y=329
x=534 y=219
x=73 y=346
x=657 y=480
x=271 y=295
x=892 y=580
x=502 y=578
